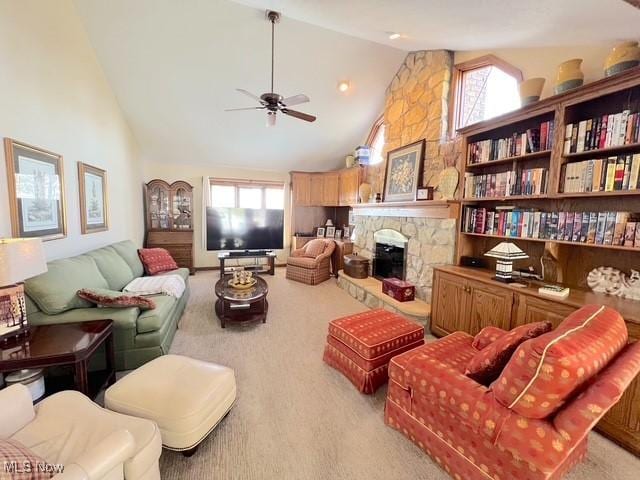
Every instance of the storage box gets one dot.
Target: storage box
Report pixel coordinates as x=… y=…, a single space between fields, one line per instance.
x=398 y=289
x=356 y=266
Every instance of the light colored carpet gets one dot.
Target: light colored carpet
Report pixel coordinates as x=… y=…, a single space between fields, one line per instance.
x=296 y=418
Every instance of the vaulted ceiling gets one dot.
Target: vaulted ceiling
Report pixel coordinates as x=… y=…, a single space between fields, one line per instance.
x=174 y=65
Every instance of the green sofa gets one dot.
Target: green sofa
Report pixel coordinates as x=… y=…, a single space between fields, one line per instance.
x=139 y=336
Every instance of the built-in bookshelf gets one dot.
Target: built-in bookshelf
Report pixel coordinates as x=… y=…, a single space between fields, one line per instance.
x=581 y=156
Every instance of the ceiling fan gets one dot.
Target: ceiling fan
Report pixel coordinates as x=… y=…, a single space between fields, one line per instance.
x=273 y=102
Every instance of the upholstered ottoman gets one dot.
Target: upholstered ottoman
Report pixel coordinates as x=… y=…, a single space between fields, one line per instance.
x=361 y=345
x=186 y=397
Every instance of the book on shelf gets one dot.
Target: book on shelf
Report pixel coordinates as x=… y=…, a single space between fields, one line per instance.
x=610 y=174
x=596 y=228
x=519 y=143
x=532 y=181
x=604 y=131
x=554 y=291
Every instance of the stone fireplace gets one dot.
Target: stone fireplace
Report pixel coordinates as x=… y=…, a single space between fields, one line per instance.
x=390 y=254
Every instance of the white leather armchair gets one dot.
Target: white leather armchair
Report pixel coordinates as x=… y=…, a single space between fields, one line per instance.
x=91 y=442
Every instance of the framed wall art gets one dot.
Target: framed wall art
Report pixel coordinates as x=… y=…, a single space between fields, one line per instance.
x=403 y=173
x=94 y=209
x=36 y=191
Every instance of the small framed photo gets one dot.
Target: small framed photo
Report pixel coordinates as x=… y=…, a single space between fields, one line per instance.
x=346 y=233
x=338 y=234
x=424 y=193
x=94 y=212
x=320 y=232
x=331 y=232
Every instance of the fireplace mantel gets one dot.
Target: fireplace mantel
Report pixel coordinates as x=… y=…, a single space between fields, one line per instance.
x=416 y=209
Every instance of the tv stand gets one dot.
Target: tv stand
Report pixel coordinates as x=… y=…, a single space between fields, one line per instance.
x=255 y=254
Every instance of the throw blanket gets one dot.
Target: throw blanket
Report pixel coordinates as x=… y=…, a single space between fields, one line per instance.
x=164 y=284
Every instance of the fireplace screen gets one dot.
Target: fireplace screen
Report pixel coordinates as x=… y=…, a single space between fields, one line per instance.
x=390 y=255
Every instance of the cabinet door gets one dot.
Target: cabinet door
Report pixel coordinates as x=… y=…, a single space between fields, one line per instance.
x=316 y=190
x=449 y=310
x=488 y=306
x=349 y=183
x=301 y=188
x=330 y=190
x=532 y=309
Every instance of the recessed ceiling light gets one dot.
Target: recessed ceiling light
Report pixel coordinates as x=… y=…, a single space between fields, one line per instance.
x=394 y=35
x=344 y=85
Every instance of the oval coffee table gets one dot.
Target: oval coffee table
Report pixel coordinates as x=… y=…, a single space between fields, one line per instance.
x=243 y=306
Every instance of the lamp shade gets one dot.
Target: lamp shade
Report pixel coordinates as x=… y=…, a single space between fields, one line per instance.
x=20 y=258
x=506 y=251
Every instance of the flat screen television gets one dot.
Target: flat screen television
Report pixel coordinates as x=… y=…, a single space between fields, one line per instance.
x=244 y=229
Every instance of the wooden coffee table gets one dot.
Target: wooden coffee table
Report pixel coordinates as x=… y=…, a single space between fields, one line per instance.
x=234 y=305
x=70 y=344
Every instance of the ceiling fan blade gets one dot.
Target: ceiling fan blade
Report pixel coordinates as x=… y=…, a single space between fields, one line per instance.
x=302 y=116
x=244 y=108
x=249 y=94
x=295 y=100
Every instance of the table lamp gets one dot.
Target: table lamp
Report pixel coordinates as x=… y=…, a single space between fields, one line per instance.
x=505 y=253
x=20 y=258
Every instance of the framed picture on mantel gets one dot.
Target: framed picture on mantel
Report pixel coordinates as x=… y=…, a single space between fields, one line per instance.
x=403 y=173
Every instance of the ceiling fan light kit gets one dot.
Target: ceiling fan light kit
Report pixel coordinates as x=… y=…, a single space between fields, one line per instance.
x=271 y=101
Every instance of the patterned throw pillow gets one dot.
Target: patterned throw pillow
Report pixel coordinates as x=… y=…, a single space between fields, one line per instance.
x=156 y=260
x=13 y=452
x=314 y=248
x=487 y=336
x=110 y=298
x=487 y=364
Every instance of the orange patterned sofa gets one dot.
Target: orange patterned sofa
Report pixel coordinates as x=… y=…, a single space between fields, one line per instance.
x=532 y=422
x=311 y=264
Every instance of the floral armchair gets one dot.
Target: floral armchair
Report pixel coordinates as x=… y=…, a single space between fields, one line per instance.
x=532 y=422
x=311 y=264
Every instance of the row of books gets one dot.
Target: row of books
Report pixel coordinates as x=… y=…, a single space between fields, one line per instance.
x=602 y=132
x=532 y=140
x=599 y=228
x=532 y=181
x=602 y=174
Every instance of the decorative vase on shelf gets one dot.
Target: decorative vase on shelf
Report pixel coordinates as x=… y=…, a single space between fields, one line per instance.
x=624 y=56
x=530 y=90
x=569 y=75
x=364 y=191
x=350 y=161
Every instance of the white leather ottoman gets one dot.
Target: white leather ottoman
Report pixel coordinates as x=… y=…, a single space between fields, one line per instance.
x=186 y=397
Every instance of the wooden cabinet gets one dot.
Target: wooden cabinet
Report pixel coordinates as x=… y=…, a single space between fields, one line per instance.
x=349 y=184
x=301 y=189
x=530 y=309
x=316 y=189
x=330 y=189
x=169 y=221
x=449 y=304
x=487 y=306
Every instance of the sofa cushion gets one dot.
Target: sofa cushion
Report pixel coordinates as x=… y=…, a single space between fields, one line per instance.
x=115 y=299
x=303 y=262
x=156 y=260
x=314 y=248
x=13 y=452
x=545 y=371
x=183 y=272
x=486 y=336
x=152 y=320
x=55 y=290
x=129 y=252
x=486 y=365
x=113 y=267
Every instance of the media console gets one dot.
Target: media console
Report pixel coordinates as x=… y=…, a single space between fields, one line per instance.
x=255 y=254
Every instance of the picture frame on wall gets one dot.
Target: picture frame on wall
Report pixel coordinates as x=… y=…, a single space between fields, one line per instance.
x=94 y=199
x=404 y=172
x=331 y=232
x=346 y=232
x=36 y=191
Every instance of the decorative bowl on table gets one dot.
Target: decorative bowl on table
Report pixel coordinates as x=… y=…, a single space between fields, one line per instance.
x=242 y=286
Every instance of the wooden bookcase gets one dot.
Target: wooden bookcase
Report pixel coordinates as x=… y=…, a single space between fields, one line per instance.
x=468 y=299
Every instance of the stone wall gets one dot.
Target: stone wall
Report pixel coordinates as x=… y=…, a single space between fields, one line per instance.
x=417 y=107
x=431 y=243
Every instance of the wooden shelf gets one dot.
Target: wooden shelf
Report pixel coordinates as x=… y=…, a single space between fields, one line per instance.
x=562 y=242
x=416 y=209
x=615 y=193
x=506 y=199
x=519 y=158
x=603 y=152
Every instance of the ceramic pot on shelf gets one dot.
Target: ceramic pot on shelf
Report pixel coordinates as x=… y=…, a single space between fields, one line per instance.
x=530 y=90
x=364 y=191
x=624 y=56
x=569 y=76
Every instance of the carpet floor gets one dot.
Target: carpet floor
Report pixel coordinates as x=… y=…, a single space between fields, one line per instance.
x=297 y=418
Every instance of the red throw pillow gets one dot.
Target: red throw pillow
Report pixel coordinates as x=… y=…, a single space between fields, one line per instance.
x=109 y=298
x=487 y=336
x=488 y=363
x=156 y=260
